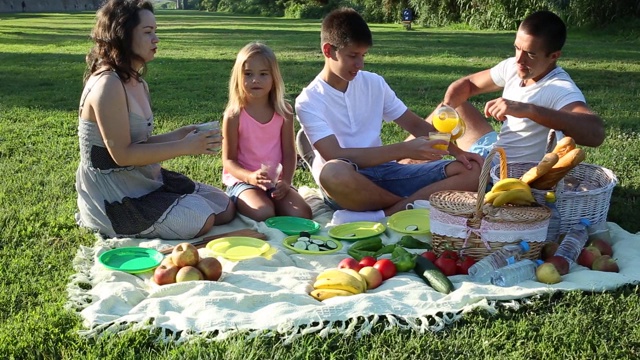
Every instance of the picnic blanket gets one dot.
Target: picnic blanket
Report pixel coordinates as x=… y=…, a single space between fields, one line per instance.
x=270 y=295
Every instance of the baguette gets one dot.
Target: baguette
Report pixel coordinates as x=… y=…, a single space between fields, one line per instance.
x=565 y=145
x=559 y=170
x=542 y=168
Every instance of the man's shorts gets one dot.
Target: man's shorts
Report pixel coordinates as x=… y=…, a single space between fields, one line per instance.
x=484 y=145
x=400 y=179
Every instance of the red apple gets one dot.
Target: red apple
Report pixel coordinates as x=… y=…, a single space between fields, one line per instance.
x=185 y=254
x=210 y=268
x=588 y=255
x=349 y=263
x=605 y=263
x=372 y=276
x=188 y=273
x=167 y=260
x=165 y=274
x=561 y=264
x=603 y=246
x=548 y=250
x=386 y=267
x=367 y=261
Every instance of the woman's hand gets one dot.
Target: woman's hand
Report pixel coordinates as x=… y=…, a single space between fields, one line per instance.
x=203 y=142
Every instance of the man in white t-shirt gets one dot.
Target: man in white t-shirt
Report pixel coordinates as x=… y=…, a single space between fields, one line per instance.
x=537 y=96
x=342 y=111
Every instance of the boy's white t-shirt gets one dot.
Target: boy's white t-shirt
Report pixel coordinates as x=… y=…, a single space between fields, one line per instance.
x=521 y=138
x=354 y=117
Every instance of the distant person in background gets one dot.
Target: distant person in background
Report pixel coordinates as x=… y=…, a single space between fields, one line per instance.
x=342 y=111
x=258 y=138
x=537 y=95
x=122 y=189
x=24 y=6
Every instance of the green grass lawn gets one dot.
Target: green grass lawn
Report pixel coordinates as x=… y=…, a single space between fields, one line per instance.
x=41 y=68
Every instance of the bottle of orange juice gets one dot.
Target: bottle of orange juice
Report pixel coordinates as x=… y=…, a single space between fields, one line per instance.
x=446 y=119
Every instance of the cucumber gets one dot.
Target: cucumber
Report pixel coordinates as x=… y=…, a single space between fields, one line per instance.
x=431 y=275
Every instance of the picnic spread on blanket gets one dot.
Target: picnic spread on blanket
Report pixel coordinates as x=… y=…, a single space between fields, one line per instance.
x=539 y=228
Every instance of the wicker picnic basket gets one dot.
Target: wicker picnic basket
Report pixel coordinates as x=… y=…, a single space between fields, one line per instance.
x=461 y=220
x=573 y=205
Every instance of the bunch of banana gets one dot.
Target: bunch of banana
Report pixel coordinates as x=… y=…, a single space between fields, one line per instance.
x=338 y=282
x=509 y=191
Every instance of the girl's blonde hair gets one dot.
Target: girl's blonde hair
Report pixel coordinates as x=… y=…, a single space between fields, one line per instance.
x=238 y=96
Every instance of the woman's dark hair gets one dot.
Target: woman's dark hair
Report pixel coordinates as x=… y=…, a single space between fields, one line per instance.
x=113 y=38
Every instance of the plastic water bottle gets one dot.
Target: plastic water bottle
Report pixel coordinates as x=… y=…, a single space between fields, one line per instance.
x=482 y=270
x=574 y=241
x=515 y=273
x=555 y=221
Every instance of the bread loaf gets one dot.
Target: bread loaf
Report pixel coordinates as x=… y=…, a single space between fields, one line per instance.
x=559 y=170
x=565 y=145
x=542 y=168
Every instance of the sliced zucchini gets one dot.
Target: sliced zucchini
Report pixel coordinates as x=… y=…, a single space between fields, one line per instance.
x=313 y=247
x=411 y=228
x=330 y=244
x=302 y=245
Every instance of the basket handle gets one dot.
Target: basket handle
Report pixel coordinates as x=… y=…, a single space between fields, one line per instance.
x=484 y=176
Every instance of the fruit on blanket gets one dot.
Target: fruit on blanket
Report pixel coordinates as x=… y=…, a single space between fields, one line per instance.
x=548 y=274
x=605 y=263
x=324 y=294
x=548 y=250
x=372 y=276
x=210 y=268
x=429 y=255
x=561 y=264
x=603 y=246
x=188 y=273
x=165 y=274
x=349 y=263
x=359 y=277
x=463 y=265
x=185 y=254
x=588 y=255
x=446 y=265
x=367 y=261
x=386 y=267
x=168 y=260
x=340 y=280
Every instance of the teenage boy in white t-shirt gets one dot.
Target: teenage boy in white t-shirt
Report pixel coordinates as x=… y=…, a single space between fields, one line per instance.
x=341 y=111
x=537 y=95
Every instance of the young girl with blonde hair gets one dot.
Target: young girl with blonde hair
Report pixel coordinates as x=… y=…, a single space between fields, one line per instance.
x=258 y=136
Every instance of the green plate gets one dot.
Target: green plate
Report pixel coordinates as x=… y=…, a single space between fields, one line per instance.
x=356 y=230
x=290 y=240
x=415 y=217
x=292 y=225
x=131 y=259
x=238 y=247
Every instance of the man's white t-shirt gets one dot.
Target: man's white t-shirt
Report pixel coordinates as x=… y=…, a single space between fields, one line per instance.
x=354 y=116
x=521 y=138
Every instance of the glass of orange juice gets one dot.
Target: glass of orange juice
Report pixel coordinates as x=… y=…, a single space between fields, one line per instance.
x=436 y=135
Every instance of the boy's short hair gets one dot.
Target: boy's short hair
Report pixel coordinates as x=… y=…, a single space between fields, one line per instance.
x=343 y=27
x=547 y=26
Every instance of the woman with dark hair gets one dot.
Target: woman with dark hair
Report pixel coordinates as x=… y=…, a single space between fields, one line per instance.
x=122 y=189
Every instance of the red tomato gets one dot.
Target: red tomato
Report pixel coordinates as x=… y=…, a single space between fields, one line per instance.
x=464 y=264
x=386 y=268
x=446 y=265
x=367 y=261
x=449 y=254
x=429 y=255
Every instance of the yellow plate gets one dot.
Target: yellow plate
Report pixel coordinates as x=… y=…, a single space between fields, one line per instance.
x=415 y=217
x=238 y=247
x=356 y=230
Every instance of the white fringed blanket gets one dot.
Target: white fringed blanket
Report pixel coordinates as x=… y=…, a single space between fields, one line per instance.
x=272 y=294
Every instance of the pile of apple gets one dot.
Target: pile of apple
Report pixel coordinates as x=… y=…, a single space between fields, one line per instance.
x=184 y=264
x=596 y=255
x=372 y=270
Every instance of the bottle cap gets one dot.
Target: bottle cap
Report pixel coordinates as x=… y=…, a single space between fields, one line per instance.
x=585 y=222
x=539 y=262
x=525 y=246
x=550 y=197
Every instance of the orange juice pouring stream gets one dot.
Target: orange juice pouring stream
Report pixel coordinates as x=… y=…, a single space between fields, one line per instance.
x=447 y=120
